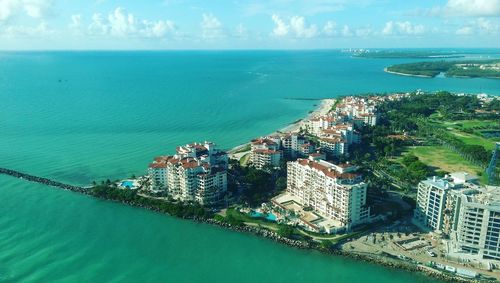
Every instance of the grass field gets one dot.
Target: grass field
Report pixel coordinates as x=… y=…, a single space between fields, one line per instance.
x=474 y=124
x=458 y=127
x=445 y=159
x=244 y=159
x=488 y=144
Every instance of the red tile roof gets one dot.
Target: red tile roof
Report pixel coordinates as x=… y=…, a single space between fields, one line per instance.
x=330 y=172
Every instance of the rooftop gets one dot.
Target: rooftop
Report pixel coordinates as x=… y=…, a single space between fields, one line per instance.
x=327 y=168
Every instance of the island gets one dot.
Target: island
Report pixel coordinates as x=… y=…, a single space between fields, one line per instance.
x=380 y=178
x=380 y=54
x=462 y=68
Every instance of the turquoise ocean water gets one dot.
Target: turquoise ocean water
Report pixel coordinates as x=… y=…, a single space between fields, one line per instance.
x=83 y=116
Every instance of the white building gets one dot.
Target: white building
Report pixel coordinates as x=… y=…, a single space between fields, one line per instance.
x=477 y=229
x=266 y=152
x=329 y=192
x=334 y=146
x=294 y=145
x=317 y=124
x=266 y=157
x=196 y=173
x=361 y=110
x=468 y=214
x=269 y=151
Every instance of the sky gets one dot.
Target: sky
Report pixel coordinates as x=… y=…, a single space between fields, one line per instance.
x=240 y=24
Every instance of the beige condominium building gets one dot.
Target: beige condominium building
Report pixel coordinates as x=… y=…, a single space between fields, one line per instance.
x=333 y=191
x=196 y=173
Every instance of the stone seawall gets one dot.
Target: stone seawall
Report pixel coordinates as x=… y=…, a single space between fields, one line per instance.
x=43 y=181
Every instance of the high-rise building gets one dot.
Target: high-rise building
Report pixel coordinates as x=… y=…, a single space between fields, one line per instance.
x=196 y=173
x=334 y=191
x=466 y=213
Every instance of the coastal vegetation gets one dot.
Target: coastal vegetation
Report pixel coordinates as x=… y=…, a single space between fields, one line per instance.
x=109 y=191
x=429 y=134
x=469 y=68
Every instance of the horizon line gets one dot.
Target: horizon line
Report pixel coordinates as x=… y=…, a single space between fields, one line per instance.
x=244 y=49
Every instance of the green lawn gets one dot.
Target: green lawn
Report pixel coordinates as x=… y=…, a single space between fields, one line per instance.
x=444 y=159
x=458 y=127
x=471 y=124
x=488 y=144
x=244 y=159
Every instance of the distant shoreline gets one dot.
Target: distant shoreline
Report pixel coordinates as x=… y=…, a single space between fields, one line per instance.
x=407 y=75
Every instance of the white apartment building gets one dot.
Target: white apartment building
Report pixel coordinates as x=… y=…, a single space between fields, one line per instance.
x=330 y=193
x=475 y=223
x=467 y=213
x=361 y=110
x=196 y=173
x=316 y=125
x=266 y=157
x=269 y=151
x=294 y=145
x=266 y=152
x=432 y=198
x=334 y=146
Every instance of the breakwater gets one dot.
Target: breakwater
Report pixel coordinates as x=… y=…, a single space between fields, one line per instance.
x=42 y=180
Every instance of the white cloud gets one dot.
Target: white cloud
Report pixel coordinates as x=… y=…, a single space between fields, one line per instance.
x=464 y=31
x=241 y=31
x=98 y=25
x=479 y=26
x=290 y=7
x=280 y=29
x=402 y=28
x=487 y=26
x=75 y=25
x=346 y=31
x=157 y=29
x=41 y=30
x=469 y=8
x=32 y=8
x=330 y=28
x=76 y=21
x=364 y=32
x=388 y=28
x=299 y=27
x=120 y=23
x=37 y=8
x=211 y=27
x=296 y=27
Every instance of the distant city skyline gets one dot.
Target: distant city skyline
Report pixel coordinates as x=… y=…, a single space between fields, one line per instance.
x=238 y=24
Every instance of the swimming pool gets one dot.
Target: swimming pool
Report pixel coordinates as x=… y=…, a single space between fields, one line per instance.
x=127 y=184
x=268 y=216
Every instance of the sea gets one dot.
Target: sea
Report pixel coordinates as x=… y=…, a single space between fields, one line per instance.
x=82 y=116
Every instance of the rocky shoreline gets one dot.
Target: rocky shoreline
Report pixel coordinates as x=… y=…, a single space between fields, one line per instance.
x=374 y=259
x=262 y=232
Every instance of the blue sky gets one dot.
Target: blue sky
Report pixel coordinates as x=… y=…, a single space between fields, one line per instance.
x=239 y=24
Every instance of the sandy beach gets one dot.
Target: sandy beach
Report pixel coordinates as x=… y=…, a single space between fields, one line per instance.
x=322 y=109
x=407 y=75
